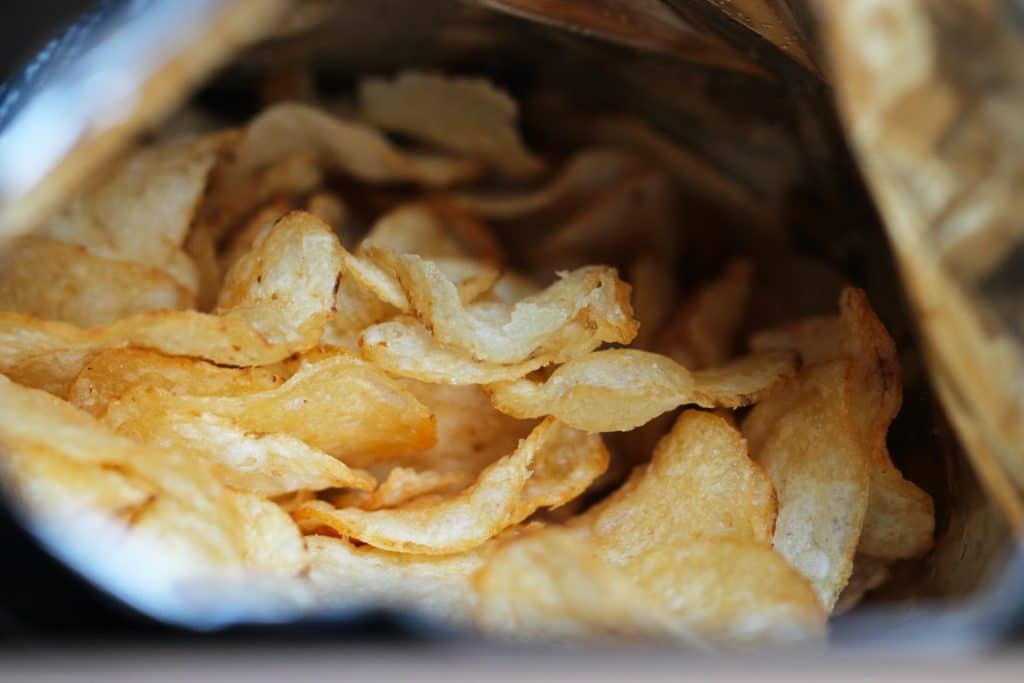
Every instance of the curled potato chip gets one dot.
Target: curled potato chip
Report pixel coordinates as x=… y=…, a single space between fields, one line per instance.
x=60 y=281
x=729 y=590
x=700 y=484
x=288 y=129
x=468 y=116
x=349 y=577
x=336 y=403
x=404 y=484
x=405 y=348
x=264 y=464
x=196 y=521
x=142 y=211
x=820 y=472
x=513 y=286
x=594 y=297
x=703 y=333
x=272 y=542
x=620 y=389
x=110 y=374
x=258 y=224
x=581 y=179
x=275 y=302
x=499 y=498
x=433 y=230
x=546 y=583
x=900 y=519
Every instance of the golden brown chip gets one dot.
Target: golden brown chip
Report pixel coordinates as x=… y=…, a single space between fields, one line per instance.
x=141 y=212
x=336 y=403
x=404 y=484
x=900 y=519
x=110 y=374
x=703 y=333
x=700 y=484
x=467 y=116
x=729 y=590
x=264 y=464
x=275 y=302
x=547 y=584
x=620 y=389
x=820 y=471
x=498 y=499
x=60 y=281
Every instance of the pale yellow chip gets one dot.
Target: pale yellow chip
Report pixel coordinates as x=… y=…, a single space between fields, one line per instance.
x=61 y=281
x=110 y=374
x=336 y=403
x=547 y=586
x=703 y=332
x=347 y=577
x=581 y=180
x=730 y=590
x=142 y=211
x=257 y=225
x=467 y=116
x=402 y=485
x=263 y=464
x=620 y=389
x=404 y=347
x=500 y=498
x=275 y=302
x=593 y=298
x=700 y=484
x=819 y=468
x=900 y=520
x=355 y=149
x=434 y=230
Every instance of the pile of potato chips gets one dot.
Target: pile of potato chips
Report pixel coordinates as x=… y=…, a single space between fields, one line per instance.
x=304 y=360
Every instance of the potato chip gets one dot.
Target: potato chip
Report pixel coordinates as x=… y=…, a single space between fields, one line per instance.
x=356 y=578
x=900 y=520
x=729 y=590
x=405 y=348
x=355 y=149
x=499 y=498
x=264 y=464
x=271 y=540
x=467 y=116
x=868 y=574
x=275 y=302
x=582 y=179
x=110 y=374
x=653 y=298
x=703 y=333
x=142 y=211
x=471 y=434
x=513 y=286
x=404 y=484
x=330 y=208
x=593 y=297
x=435 y=231
x=700 y=484
x=546 y=584
x=337 y=403
x=258 y=224
x=200 y=247
x=634 y=218
x=820 y=471
x=197 y=521
x=620 y=389
x=60 y=281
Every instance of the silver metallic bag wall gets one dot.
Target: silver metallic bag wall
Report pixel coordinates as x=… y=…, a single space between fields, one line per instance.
x=780 y=111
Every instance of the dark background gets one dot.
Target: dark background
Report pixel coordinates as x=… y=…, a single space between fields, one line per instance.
x=28 y=24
